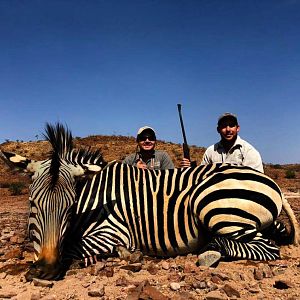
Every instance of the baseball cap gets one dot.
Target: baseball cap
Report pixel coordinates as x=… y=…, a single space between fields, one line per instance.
x=227 y=115
x=146 y=131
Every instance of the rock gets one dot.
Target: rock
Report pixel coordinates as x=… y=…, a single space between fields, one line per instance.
x=145 y=291
x=216 y=279
x=175 y=286
x=136 y=257
x=190 y=268
x=215 y=295
x=199 y=285
x=222 y=276
x=133 y=267
x=97 y=292
x=231 y=291
x=97 y=268
x=123 y=252
x=258 y=274
x=165 y=265
x=7 y=294
x=17 y=239
x=184 y=296
x=209 y=258
x=152 y=268
x=122 y=281
x=109 y=272
x=42 y=283
x=176 y=277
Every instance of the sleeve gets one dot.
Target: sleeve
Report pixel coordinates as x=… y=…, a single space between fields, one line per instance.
x=206 y=160
x=253 y=160
x=166 y=162
x=129 y=160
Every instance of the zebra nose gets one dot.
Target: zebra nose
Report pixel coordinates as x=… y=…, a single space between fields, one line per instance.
x=45 y=271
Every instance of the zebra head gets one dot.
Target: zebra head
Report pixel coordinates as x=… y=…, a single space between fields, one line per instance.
x=52 y=195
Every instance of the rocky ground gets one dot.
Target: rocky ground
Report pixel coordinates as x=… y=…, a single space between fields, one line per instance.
x=138 y=277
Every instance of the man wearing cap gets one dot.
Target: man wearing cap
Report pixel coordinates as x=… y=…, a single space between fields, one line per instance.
x=146 y=157
x=231 y=148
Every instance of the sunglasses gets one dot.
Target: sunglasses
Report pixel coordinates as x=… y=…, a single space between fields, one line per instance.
x=143 y=138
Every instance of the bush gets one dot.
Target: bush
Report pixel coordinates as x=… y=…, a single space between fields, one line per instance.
x=277 y=166
x=290 y=174
x=16 y=188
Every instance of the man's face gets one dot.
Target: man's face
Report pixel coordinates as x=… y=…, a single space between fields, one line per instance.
x=228 y=129
x=147 y=142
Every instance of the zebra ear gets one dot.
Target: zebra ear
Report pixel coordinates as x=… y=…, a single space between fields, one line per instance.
x=15 y=161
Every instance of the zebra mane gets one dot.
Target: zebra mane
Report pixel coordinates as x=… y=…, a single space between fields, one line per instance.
x=61 y=141
x=87 y=156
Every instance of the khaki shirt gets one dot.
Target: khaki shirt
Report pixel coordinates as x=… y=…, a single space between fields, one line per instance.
x=241 y=153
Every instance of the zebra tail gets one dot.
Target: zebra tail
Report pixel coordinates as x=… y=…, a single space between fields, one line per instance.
x=295 y=227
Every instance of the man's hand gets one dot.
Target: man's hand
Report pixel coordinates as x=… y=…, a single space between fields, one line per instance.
x=185 y=163
x=140 y=164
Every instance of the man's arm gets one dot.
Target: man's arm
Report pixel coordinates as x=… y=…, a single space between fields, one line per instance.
x=166 y=162
x=253 y=159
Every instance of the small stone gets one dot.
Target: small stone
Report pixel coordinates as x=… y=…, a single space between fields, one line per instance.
x=209 y=258
x=165 y=265
x=231 y=291
x=152 y=268
x=199 y=285
x=95 y=269
x=85 y=284
x=97 y=292
x=258 y=274
x=175 y=286
x=215 y=279
x=136 y=257
x=42 y=283
x=215 y=295
x=190 y=268
x=133 y=267
x=122 y=281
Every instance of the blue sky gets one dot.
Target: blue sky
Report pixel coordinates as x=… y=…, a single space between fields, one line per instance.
x=110 y=67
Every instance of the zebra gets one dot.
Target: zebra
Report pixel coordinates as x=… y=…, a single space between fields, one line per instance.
x=82 y=207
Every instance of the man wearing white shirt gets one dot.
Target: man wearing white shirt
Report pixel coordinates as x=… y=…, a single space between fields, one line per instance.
x=231 y=148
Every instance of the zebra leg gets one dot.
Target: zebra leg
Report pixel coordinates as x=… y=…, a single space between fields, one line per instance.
x=278 y=233
x=294 y=223
x=244 y=244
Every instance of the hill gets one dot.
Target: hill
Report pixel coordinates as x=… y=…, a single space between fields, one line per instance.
x=117 y=147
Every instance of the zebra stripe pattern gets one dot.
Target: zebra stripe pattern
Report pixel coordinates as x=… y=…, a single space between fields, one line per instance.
x=171 y=212
x=218 y=207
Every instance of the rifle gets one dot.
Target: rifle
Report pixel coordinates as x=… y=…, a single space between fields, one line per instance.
x=185 y=146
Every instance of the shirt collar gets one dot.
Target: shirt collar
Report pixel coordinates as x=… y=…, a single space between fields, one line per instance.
x=237 y=143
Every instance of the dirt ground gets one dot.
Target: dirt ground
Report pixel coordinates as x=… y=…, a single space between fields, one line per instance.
x=141 y=277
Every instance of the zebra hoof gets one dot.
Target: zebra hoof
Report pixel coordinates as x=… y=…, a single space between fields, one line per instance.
x=209 y=258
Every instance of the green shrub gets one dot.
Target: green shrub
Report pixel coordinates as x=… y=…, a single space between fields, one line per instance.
x=16 y=188
x=290 y=174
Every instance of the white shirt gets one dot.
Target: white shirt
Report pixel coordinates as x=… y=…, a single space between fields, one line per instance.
x=241 y=153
